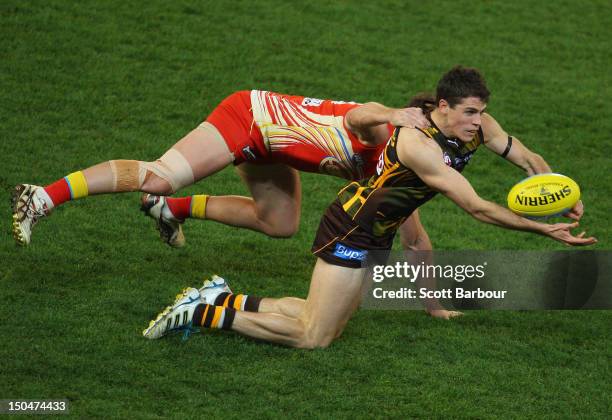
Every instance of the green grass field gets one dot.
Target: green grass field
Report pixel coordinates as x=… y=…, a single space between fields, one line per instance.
x=84 y=82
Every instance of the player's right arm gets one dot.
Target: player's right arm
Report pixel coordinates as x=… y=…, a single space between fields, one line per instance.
x=425 y=158
x=368 y=121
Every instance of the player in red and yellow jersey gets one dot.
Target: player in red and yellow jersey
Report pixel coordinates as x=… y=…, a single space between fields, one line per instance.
x=268 y=136
x=306 y=134
x=271 y=137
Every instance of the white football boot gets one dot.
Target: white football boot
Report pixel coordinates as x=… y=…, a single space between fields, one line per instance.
x=175 y=317
x=169 y=227
x=30 y=203
x=213 y=288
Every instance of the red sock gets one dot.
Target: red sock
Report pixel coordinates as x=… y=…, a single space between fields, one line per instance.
x=180 y=207
x=59 y=191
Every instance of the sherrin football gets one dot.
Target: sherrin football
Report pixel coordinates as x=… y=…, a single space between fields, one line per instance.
x=543 y=195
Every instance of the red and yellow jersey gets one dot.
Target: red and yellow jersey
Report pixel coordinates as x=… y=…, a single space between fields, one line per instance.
x=310 y=135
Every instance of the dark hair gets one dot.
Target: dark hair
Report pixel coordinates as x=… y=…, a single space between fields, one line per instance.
x=460 y=83
x=424 y=100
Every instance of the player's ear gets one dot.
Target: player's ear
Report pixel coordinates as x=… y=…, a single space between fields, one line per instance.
x=443 y=106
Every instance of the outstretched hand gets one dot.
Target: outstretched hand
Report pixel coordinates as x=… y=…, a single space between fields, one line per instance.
x=444 y=314
x=576 y=212
x=562 y=233
x=409 y=117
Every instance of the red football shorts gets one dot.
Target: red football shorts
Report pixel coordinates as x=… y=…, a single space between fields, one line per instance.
x=233 y=117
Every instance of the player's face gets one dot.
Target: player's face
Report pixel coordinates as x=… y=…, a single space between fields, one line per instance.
x=465 y=118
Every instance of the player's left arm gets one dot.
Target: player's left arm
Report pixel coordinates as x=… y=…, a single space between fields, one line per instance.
x=512 y=149
x=498 y=141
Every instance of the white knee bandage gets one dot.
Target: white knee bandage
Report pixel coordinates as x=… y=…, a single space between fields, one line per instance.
x=173 y=168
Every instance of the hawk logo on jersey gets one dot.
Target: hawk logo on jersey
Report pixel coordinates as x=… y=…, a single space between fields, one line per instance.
x=447 y=159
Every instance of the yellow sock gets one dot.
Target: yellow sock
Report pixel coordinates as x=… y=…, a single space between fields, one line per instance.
x=198 y=206
x=78 y=185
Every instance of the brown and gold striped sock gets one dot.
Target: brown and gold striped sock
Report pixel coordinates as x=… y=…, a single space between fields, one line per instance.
x=238 y=302
x=210 y=316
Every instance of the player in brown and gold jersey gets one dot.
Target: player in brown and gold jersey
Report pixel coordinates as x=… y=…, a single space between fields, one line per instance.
x=416 y=165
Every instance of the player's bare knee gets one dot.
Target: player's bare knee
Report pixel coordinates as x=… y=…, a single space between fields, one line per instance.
x=324 y=342
x=280 y=231
x=311 y=339
x=311 y=344
x=279 y=228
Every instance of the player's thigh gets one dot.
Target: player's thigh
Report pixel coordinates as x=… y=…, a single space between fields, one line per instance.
x=334 y=295
x=275 y=189
x=205 y=150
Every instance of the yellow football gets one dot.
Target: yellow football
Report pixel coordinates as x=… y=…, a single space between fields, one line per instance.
x=543 y=195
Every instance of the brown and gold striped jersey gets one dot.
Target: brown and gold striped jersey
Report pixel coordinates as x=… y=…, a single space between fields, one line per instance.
x=382 y=203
